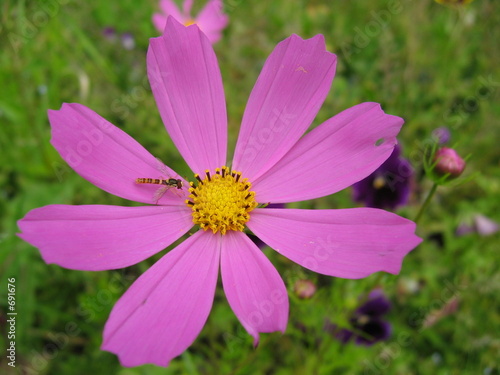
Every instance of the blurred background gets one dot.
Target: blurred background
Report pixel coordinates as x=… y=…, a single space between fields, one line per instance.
x=432 y=64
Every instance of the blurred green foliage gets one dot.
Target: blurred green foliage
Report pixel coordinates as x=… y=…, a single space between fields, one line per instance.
x=431 y=64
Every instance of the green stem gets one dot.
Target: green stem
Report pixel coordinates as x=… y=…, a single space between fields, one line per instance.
x=426 y=203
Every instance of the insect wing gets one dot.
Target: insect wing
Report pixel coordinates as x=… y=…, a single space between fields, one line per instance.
x=165 y=171
x=159 y=193
x=167 y=174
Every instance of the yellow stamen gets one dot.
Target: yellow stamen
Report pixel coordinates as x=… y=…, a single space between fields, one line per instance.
x=379 y=182
x=363 y=319
x=221 y=201
x=189 y=22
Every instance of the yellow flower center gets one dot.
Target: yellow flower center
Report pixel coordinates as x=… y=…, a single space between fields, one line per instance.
x=379 y=182
x=222 y=201
x=189 y=22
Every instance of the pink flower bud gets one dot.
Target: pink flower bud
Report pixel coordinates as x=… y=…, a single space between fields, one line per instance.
x=448 y=162
x=304 y=289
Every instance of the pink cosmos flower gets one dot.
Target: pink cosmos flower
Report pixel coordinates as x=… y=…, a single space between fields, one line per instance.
x=210 y=20
x=165 y=309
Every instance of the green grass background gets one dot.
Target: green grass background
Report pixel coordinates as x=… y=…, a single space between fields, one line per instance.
x=431 y=64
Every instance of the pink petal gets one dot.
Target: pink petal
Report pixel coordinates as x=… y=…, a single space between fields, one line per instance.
x=287 y=96
x=169 y=8
x=159 y=22
x=212 y=20
x=161 y=314
x=253 y=287
x=187 y=85
x=186 y=7
x=333 y=156
x=108 y=157
x=348 y=243
x=95 y=238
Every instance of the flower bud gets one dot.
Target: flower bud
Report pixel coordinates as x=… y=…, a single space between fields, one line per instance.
x=448 y=162
x=304 y=289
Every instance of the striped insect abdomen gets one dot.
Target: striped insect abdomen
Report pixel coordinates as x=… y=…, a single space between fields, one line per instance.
x=155 y=181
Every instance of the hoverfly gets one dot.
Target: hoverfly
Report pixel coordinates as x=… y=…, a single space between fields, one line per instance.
x=166 y=183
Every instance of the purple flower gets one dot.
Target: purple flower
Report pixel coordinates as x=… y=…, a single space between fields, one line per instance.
x=388 y=186
x=109 y=33
x=441 y=135
x=454 y=2
x=165 y=309
x=128 y=41
x=481 y=224
x=367 y=323
x=210 y=20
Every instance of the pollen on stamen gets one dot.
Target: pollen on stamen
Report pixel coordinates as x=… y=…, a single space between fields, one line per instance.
x=222 y=201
